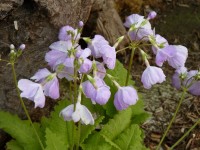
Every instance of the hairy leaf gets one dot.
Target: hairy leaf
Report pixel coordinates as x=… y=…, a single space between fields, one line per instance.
x=86 y=130
x=20 y=130
x=54 y=142
x=13 y=145
x=130 y=139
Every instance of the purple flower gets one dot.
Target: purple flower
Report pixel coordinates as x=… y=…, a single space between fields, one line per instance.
x=98 y=93
x=195 y=89
x=125 y=97
x=176 y=78
x=67 y=32
x=80 y=24
x=96 y=45
x=151 y=15
x=32 y=91
x=109 y=56
x=54 y=58
x=151 y=76
x=62 y=46
x=160 y=42
x=179 y=57
x=135 y=20
x=101 y=71
x=142 y=32
x=163 y=55
x=49 y=81
x=81 y=113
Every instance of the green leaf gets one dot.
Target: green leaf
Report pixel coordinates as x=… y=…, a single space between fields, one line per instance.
x=20 y=130
x=86 y=130
x=54 y=142
x=116 y=125
x=97 y=142
x=63 y=129
x=130 y=139
x=13 y=145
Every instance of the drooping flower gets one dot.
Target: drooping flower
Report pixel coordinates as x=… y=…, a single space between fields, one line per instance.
x=55 y=57
x=109 y=56
x=63 y=46
x=180 y=55
x=178 y=77
x=67 y=32
x=151 y=76
x=81 y=113
x=101 y=71
x=49 y=81
x=125 y=97
x=96 y=45
x=159 y=42
x=32 y=91
x=22 y=47
x=85 y=63
x=98 y=92
x=134 y=20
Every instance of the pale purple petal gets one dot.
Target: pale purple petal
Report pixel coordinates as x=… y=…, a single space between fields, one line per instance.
x=151 y=76
x=125 y=97
x=195 y=89
x=55 y=57
x=67 y=112
x=41 y=74
x=86 y=116
x=88 y=89
x=51 y=88
x=39 y=98
x=69 y=62
x=140 y=34
x=62 y=46
x=133 y=19
x=161 y=42
x=85 y=53
x=109 y=56
x=152 y=15
x=179 y=58
x=64 y=34
x=102 y=95
x=86 y=66
x=96 y=45
x=67 y=72
x=101 y=71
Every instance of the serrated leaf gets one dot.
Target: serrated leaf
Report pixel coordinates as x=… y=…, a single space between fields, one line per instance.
x=20 y=130
x=116 y=125
x=130 y=139
x=63 y=129
x=54 y=142
x=13 y=145
x=86 y=130
x=97 y=142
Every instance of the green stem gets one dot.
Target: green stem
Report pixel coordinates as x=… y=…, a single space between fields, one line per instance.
x=198 y=121
x=130 y=65
x=174 y=116
x=23 y=105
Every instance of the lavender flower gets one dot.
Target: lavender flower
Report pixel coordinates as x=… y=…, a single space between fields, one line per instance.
x=141 y=33
x=151 y=76
x=179 y=57
x=63 y=46
x=125 y=97
x=22 y=47
x=178 y=77
x=32 y=91
x=98 y=92
x=81 y=113
x=67 y=33
x=109 y=56
x=195 y=89
x=101 y=71
x=134 y=20
x=160 y=42
x=49 y=81
x=80 y=24
x=54 y=58
x=96 y=45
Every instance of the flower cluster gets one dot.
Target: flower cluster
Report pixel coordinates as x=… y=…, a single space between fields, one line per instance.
x=68 y=60
x=140 y=31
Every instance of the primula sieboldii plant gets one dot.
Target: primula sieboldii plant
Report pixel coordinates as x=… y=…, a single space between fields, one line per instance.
x=86 y=69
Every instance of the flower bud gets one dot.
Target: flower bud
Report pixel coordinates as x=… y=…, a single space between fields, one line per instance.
x=80 y=24
x=22 y=47
x=12 y=47
x=151 y=15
